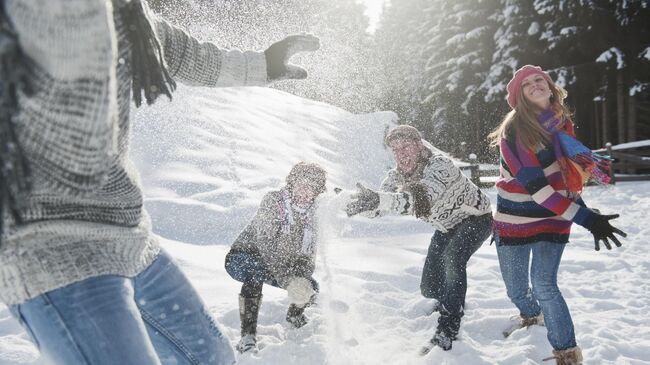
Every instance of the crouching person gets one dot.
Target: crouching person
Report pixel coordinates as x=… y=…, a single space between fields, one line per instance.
x=429 y=186
x=278 y=247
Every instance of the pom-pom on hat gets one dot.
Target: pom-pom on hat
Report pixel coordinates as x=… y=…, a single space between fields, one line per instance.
x=403 y=131
x=515 y=84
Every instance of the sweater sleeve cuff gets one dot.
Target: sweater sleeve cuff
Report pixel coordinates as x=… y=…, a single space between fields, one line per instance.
x=243 y=68
x=395 y=203
x=580 y=215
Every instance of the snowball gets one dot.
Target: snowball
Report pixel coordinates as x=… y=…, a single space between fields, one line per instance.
x=300 y=291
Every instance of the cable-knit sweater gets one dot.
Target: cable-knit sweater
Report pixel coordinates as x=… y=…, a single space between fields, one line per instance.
x=84 y=216
x=436 y=192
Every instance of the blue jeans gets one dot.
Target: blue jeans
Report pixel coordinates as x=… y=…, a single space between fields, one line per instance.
x=545 y=296
x=444 y=276
x=251 y=270
x=155 y=317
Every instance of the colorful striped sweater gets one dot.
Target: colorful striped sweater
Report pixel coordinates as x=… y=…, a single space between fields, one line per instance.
x=532 y=201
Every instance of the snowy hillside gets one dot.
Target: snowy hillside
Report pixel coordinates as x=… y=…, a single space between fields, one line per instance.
x=207 y=159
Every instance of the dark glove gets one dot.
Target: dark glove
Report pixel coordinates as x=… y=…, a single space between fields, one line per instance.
x=278 y=54
x=602 y=230
x=364 y=200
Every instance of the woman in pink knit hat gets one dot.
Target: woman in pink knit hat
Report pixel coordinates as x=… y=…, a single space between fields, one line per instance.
x=543 y=170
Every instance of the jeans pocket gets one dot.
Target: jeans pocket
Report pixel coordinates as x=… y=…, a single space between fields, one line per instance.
x=15 y=311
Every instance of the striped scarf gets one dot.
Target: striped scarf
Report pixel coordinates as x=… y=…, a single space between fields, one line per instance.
x=306 y=213
x=578 y=164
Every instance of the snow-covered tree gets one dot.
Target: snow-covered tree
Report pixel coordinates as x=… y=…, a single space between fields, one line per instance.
x=598 y=49
x=400 y=40
x=459 y=47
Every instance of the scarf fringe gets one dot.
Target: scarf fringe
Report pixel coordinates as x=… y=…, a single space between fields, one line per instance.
x=148 y=68
x=15 y=175
x=578 y=164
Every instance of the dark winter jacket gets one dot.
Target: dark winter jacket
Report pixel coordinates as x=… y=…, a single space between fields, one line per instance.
x=436 y=192
x=284 y=238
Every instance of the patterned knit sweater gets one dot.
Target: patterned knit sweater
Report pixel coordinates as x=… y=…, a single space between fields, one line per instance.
x=532 y=201
x=437 y=192
x=280 y=243
x=85 y=215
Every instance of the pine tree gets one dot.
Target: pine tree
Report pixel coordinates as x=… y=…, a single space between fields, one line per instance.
x=400 y=40
x=598 y=53
x=458 y=51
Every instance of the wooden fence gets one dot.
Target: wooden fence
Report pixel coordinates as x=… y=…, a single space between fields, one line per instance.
x=631 y=162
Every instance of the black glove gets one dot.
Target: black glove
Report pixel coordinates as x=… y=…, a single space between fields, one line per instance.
x=278 y=54
x=364 y=200
x=602 y=230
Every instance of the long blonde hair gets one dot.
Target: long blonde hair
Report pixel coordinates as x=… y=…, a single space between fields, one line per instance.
x=523 y=120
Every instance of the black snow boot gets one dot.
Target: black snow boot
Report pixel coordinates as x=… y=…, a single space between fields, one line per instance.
x=296 y=314
x=249 y=309
x=448 y=326
x=440 y=339
x=443 y=340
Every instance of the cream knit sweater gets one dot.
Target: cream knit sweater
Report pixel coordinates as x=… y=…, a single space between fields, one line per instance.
x=451 y=197
x=85 y=214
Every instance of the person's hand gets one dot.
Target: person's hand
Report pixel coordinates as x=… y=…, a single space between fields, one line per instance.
x=604 y=231
x=364 y=200
x=279 y=53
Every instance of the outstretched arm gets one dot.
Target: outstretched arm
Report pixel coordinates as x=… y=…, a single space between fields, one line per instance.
x=204 y=64
x=526 y=169
x=197 y=63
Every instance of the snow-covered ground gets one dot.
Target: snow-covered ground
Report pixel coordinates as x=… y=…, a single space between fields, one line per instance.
x=207 y=159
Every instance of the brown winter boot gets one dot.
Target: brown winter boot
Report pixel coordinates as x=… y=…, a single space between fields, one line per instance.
x=518 y=322
x=571 y=356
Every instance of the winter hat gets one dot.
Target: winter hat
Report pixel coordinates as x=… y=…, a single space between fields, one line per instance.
x=308 y=172
x=403 y=131
x=515 y=84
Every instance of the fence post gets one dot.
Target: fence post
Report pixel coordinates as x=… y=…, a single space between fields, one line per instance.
x=473 y=169
x=612 y=175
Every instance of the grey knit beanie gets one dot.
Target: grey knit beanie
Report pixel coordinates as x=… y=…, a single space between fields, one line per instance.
x=308 y=172
x=403 y=131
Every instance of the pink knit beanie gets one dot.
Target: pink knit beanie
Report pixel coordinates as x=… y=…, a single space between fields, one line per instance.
x=515 y=84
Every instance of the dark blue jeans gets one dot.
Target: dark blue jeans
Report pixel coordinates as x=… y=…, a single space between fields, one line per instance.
x=515 y=263
x=252 y=272
x=444 y=276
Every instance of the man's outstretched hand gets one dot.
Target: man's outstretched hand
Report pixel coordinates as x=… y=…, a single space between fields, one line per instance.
x=364 y=200
x=279 y=53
